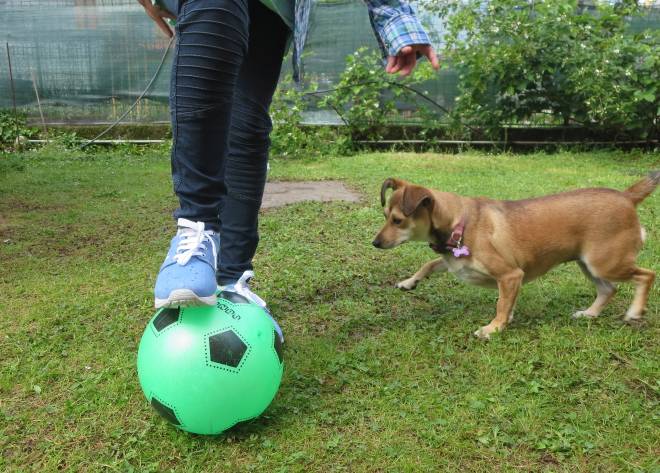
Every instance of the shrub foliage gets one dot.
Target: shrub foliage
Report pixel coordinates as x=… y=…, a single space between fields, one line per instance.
x=525 y=61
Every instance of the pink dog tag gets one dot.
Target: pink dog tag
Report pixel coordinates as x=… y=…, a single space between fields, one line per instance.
x=461 y=251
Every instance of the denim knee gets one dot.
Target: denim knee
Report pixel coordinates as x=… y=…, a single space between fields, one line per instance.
x=249 y=143
x=212 y=42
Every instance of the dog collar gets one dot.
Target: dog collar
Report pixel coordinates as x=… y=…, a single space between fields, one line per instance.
x=454 y=243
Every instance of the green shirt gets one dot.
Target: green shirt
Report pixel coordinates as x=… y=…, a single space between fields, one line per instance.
x=284 y=8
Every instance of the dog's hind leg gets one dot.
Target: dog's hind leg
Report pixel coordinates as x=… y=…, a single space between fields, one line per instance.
x=623 y=269
x=605 y=290
x=430 y=267
x=643 y=279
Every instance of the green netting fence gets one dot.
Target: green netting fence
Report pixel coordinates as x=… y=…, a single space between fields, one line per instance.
x=89 y=59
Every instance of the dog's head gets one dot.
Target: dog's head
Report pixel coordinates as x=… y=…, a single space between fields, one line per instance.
x=407 y=214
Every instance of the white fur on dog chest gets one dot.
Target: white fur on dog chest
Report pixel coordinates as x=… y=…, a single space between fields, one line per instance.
x=469 y=271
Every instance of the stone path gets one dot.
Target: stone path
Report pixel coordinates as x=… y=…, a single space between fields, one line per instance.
x=278 y=194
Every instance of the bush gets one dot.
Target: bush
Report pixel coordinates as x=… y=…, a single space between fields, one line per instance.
x=366 y=96
x=524 y=62
x=290 y=138
x=14 y=130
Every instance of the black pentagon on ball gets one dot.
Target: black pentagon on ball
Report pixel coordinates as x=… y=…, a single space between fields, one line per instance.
x=166 y=412
x=165 y=318
x=226 y=348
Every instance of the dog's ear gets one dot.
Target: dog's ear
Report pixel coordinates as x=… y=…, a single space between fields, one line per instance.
x=413 y=197
x=389 y=183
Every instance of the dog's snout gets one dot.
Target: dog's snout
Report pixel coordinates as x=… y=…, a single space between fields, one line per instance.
x=377 y=243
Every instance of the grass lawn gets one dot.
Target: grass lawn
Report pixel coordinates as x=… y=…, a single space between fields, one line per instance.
x=376 y=379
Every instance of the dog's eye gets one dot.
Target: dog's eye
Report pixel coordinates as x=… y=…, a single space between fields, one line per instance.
x=396 y=221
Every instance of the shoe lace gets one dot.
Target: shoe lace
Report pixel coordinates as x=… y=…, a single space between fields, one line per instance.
x=193 y=236
x=242 y=287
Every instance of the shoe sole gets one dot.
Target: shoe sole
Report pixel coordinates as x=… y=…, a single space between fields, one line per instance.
x=185 y=298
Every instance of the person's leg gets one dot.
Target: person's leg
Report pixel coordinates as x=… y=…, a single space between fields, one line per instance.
x=211 y=43
x=245 y=166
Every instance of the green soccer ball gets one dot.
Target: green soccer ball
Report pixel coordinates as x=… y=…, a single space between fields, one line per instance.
x=205 y=369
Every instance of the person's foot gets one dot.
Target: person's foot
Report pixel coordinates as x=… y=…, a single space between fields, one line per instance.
x=187 y=276
x=242 y=288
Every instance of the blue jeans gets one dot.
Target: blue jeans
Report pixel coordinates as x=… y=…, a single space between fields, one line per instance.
x=226 y=65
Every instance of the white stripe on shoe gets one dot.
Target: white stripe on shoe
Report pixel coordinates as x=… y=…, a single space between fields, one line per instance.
x=185 y=298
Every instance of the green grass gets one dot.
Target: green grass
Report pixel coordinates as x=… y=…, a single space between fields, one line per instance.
x=376 y=379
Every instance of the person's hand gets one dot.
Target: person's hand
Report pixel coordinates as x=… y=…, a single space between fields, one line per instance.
x=158 y=15
x=404 y=62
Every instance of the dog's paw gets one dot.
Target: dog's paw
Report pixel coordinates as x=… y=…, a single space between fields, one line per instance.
x=484 y=332
x=580 y=314
x=407 y=284
x=632 y=316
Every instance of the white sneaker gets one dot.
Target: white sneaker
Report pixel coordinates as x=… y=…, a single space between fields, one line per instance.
x=187 y=276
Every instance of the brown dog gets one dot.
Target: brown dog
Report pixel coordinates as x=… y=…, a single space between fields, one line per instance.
x=505 y=243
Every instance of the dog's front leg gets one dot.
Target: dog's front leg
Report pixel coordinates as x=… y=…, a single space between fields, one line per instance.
x=430 y=267
x=508 y=285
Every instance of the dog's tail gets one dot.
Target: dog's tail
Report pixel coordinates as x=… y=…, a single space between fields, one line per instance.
x=642 y=189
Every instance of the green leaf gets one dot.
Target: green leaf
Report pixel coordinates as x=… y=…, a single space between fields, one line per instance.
x=647 y=96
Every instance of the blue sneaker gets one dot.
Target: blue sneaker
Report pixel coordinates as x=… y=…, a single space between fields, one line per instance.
x=187 y=276
x=242 y=287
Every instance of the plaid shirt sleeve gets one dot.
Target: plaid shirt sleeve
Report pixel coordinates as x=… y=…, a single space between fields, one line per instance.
x=395 y=25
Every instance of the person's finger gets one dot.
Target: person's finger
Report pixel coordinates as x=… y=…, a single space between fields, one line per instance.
x=402 y=58
x=398 y=62
x=391 y=60
x=157 y=15
x=405 y=51
x=393 y=64
x=433 y=57
x=164 y=27
x=409 y=65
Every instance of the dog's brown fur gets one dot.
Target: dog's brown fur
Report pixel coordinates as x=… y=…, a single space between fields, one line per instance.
x=514 y=242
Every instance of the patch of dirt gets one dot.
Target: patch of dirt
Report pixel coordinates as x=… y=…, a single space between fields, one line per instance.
x=21 y=205
x=548 y=459
x=278 y=194
x=5 y=232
